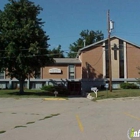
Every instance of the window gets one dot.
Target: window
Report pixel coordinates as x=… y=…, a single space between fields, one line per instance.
x=121 y=59
x=1 y=75
x=107 y=59
x=71 y=71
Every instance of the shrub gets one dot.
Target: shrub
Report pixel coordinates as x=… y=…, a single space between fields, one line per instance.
x=62 y=91
x=129 y=86
x=48 y=88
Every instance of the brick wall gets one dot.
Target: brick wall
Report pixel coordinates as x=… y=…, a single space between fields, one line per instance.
x=92 y=61
x=63 y=74
x=133 y=61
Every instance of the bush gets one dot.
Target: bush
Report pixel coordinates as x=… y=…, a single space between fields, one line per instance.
x=129 y=86
x=62 y=91
x=48 y=88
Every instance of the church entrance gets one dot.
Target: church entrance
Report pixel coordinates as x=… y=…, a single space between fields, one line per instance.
x=74 y=87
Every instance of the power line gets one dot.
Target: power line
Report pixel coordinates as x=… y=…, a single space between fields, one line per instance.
x=98 y=60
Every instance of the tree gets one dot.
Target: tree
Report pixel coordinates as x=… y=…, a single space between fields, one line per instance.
x=24 y=47
x=57 y=52
x=89 y=37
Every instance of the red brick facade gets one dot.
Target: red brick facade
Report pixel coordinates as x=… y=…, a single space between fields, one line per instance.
x=64 y=72
x=92 y=62
x=133 y=60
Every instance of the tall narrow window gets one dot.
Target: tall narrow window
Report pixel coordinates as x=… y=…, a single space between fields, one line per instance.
x=71 y=71
x=121 y=59
x=107 y=59
x=1 y=75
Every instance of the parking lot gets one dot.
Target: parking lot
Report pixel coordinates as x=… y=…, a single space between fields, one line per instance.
x=72 y=119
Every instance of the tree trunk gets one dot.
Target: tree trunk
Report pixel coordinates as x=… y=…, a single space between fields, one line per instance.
x=21 y=86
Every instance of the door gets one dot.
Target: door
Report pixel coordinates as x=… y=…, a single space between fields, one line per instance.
x=74 y=88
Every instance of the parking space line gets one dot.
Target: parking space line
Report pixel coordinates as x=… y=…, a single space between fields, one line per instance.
x=79 y=123
x=130 y=115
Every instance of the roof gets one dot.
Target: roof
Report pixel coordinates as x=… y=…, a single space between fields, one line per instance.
x=67 y=61
x=102 y=41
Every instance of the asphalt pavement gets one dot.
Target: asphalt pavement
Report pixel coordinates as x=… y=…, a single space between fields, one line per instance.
x=72 y=119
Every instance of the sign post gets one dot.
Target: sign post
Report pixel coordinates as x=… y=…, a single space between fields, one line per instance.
x=55 y=93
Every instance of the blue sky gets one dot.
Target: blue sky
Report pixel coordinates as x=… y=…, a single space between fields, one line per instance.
x=65 y=19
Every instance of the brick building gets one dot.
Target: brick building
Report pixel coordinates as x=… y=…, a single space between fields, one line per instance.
x=90 y=67
x=125 y=58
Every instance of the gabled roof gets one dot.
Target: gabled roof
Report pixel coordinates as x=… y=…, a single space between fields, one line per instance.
x=102 y=41
x=67 y=61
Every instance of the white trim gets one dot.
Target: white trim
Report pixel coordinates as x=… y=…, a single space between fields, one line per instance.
x=74 y=71
x=68 y=72
x=80 y=58
x=125 y=64
x=104 y=65
x=78 y=79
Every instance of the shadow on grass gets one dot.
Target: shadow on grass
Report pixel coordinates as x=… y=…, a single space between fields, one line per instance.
x=29 y=93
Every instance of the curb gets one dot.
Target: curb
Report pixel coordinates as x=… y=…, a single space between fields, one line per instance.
x=54 y=99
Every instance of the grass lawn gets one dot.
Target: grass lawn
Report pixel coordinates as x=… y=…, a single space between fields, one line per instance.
x=43 y=94
x=117 y=93
x=27 y=94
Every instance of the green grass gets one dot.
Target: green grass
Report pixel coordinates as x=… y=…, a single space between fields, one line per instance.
x=27 y=94
x=117 y=93
x=43 y=94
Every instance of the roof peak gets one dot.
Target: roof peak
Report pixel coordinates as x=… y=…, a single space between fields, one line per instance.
x=102 y=41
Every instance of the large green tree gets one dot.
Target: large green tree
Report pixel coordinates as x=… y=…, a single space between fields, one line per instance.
x=89 y=37
x=57 y=52
x=23 y=43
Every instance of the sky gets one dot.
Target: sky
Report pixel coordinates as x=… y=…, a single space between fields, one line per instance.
x=65 y=19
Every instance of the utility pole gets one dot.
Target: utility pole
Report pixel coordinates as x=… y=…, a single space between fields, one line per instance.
x=109 y=51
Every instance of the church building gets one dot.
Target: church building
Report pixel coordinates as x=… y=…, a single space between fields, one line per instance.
x=89 y=69
x=125 y=60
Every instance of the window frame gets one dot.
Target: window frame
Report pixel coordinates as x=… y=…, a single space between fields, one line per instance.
x=71 y=72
